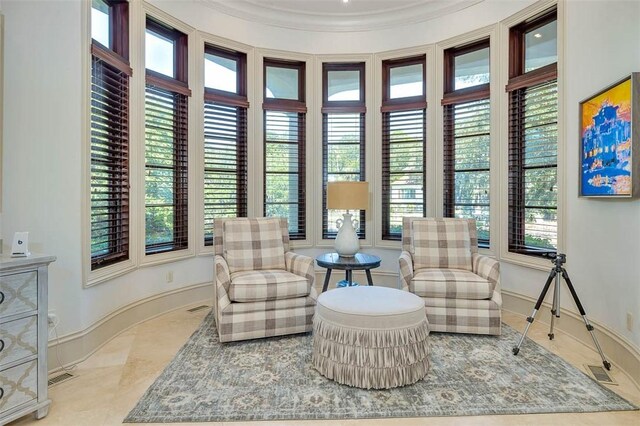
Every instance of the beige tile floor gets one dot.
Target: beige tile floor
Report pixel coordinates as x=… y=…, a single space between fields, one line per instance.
x=109 y=383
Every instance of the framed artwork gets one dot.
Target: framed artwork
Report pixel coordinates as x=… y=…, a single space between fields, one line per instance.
x=609 y=138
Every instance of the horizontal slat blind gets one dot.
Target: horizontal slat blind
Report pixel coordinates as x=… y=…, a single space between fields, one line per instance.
x=109 y=164
x=225 y=164
x=343 y=154
x=284 y=185
x=533 y=190
x=467 y=146
x=166 y=179
x=403 y=170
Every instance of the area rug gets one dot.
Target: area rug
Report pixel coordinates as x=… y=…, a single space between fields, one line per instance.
x=272 y=379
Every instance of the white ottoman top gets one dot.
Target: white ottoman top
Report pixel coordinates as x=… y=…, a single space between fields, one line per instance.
x=371 y=307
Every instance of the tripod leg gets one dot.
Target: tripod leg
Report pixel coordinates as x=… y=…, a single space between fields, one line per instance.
x=555 y=308
x=565 y=275
x=530 y=319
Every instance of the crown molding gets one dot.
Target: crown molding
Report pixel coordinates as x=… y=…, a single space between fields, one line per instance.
x=388 y=17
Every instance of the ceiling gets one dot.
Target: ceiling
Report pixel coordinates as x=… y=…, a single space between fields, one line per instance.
x=335 y=15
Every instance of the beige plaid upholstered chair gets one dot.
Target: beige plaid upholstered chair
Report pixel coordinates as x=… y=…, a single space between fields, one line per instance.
x=262 y=289
x=441 y=264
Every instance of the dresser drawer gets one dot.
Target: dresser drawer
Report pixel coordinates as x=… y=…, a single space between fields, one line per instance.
x=18 y=339
x=18 y=293
x=18 y=385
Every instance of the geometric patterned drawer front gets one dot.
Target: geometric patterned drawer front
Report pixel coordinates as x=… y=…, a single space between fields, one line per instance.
x=18 y=385
x=18 y=293
x=18 y=339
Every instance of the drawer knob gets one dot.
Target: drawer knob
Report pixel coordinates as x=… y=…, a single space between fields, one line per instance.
x=1 y=297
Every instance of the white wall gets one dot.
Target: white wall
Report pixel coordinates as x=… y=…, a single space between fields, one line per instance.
x=42 y=169
x=603 y=237
x=43 y=138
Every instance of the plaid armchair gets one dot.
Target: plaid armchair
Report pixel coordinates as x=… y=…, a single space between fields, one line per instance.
x=441 y=264
x=261 y=288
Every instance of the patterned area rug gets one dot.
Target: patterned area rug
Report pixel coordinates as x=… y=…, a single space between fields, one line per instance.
x=272 y=379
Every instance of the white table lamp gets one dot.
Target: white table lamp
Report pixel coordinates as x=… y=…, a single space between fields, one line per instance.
x=347 y=196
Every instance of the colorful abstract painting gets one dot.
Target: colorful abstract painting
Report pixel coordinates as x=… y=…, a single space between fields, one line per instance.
x=605 y=131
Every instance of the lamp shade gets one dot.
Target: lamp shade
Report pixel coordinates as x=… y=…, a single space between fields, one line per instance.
x=348 y=195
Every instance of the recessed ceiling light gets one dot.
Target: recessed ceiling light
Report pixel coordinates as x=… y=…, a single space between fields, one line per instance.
x=345 y=1
x=536 y=35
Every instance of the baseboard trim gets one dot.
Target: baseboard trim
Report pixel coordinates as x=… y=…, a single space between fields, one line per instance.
x=77 y=346
x=618 y=350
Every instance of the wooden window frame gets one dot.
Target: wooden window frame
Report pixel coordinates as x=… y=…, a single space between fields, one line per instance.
x=115 y=61
x=299 y=107
x=342 y=107
x=179 y=87
x=239 y=101
x=518 y=82
x=450 y=99
x=400 y=104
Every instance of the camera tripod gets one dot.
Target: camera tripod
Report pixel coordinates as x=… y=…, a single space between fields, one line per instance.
x=557 y=272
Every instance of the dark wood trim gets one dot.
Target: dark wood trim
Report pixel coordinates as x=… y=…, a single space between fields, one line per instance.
x=119 y=27
x=227 y=98
x=283 y=63
x=156 y=79
x=344 y=109
x=533 y=78
x=516 y=39
x=450 y=57
x=467 y=94
x=343 y=66
x=403 y=106
x=180 y=47
x=284 y=105
x=111 y=57
x=386 y=79
x=241 y=65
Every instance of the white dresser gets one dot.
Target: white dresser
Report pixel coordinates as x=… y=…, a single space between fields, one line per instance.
x=23 y=336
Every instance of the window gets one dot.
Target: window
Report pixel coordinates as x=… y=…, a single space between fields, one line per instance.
x=166 y=139
x=225 y=136
x=533 y=136
x=343 y=135
x=110 y=72
x=404 y=109
x=284 y=143
x=467 y=135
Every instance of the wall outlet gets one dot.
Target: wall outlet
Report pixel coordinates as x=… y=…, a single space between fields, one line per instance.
x=170 y=276
x=629 y=321
x=52 y=318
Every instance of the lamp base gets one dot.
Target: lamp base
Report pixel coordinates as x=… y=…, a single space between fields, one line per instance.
x=346 y=243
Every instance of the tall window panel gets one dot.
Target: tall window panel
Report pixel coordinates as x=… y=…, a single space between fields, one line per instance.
x=284 y=143
x=110 y=73
x=467 y=136
x=166 y=139
x=343 y=135
x=404 y=109
x=225 y=136
x=533 y=136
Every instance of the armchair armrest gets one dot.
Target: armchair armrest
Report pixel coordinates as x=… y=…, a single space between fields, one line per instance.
x=486 y=267
x=406 y=269
x=222 y=283
x=300 y=265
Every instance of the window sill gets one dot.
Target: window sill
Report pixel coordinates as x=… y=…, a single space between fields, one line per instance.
x=532 y=262
x=108 y=273
x=167 y=257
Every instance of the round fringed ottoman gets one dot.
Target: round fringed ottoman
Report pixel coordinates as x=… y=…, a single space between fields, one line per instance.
x=371 y=337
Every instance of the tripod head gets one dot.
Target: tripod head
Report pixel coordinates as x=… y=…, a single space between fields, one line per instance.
x=558 y=259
